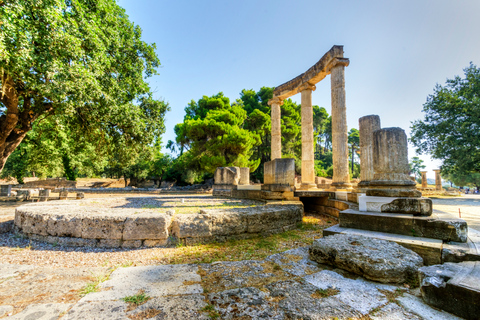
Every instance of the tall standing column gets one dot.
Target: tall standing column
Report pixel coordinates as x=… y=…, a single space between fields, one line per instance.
x=438 y=180
x=308 y=160
x=275 y=117
x=341 y=177
x=367 y=125
x=424 y=179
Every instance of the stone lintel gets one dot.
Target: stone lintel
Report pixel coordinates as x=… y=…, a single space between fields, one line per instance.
x=313 y=75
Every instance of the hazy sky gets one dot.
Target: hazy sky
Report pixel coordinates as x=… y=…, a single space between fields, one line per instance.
x=398 y=50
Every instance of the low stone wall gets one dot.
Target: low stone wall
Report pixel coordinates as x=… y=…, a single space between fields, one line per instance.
x=82 y=224
x=325 y=205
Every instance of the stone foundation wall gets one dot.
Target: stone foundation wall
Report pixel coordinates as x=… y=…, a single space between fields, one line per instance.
x=50 y=183
x=325 y=205
x=80 y=225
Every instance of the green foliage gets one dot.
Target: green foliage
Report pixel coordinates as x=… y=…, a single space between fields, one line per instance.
x=416 y=165
x=354 y=145
x=213 y=130
x=464 y=179
x=450 y=130
x=82 y=62
x=138 y=299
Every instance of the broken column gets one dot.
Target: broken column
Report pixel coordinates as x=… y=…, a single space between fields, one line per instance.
x=6 y=190
x=244 y=176
x=367 y=125
x=438 y=180
x=44 y=194
x=341 y=177
x=424 y=179
x=63 y=194
x=276 y=114
x=308 y=160
x=392 y=190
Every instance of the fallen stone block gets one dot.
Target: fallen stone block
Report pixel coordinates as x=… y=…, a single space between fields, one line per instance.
x=374 y=259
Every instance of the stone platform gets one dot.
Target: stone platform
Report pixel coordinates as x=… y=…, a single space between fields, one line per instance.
x=87 y=223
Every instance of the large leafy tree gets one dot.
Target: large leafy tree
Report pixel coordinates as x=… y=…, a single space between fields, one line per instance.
x=416 y=166
x=78 y=59
x=450 y=130
x=214 y=135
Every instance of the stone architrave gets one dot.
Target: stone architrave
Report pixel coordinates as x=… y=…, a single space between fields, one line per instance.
x=341 y=177
x=6 y=190
x=438 y=180
x=424 y=179
x=390 y=163
x=367 y=124
x=276 y=114
x=308 y=161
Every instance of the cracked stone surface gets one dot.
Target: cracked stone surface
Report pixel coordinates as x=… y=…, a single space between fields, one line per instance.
x=283 y=286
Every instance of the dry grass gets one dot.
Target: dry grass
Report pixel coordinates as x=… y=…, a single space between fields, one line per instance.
x=250 y=249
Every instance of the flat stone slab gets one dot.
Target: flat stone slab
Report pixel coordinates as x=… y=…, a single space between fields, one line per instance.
x=406 y=224
x=429 y=249
x=374 y=259
x=454 y=287
x=46 y=311
x=157 y=281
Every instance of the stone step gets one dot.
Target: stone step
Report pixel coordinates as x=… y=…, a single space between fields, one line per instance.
x=453 y=287
x=459 y=252
x=429 y=249
x=406 y=224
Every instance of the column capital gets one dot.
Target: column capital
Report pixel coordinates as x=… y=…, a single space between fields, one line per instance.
x=338 y=62
x=275 y=100
x=306 y=86
x=437 y=170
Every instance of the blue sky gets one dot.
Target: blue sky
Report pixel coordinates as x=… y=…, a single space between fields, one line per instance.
x=398 y=50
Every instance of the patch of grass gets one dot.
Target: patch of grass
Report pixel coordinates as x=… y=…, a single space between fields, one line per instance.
x=392 y=296
x=210 y=311
x=256 y=248
x=93 y=286
x=150 y=206
x=324 y=293
x=138 y=299
x=126 y=264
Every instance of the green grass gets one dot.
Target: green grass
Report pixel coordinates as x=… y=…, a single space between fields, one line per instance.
x=138 y=299
x=93 y=286
x=210 y=311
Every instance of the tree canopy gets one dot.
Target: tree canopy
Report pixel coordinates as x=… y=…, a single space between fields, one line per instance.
x=80 y=60
x=450 y=130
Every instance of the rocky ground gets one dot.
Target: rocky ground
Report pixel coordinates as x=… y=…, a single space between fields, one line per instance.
x=73 y=283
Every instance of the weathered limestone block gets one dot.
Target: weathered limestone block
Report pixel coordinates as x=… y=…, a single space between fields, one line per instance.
x=390 y=163
x=109 y=243
x=155 y=243
x=244 y=176
x=34 y=222
x=24 y=194
x=445 y=229
x=65 y=225
x=453 y=287
x=76 y=242
x=63 y=195
x=44 y=194
x=415 y=206
x=80 y=195
x=227 y=175
x=5 y=190
x=270 y=218
x=132 y=244
x=147 y=225
x=103 y=226
x=227 y=223
x=374 y=259
x=367 y=125
x=280 y=171
x=191 y=226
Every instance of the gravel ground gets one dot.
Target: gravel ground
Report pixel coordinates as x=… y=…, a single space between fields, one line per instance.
x=469 y=206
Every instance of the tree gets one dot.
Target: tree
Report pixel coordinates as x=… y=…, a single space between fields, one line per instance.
x=79 y=59
x=450 y=130
x=416 y=165
x=354 y=142
x=213 y=131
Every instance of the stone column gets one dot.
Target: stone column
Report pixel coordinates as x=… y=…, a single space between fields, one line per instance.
x=341 y=177
x=275 y=116
x=367 y=125
x=424 y=179
x=308 y=161
x=438 y=180
x=6 y=190
x=390 y=163
x=44 y=194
